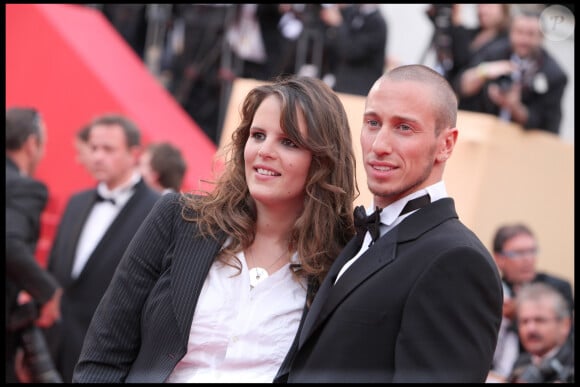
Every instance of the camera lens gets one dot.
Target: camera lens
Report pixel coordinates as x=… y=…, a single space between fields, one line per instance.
x=504 y=82
x=37 y=357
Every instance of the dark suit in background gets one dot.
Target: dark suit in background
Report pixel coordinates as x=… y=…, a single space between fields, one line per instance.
x=358 y=48
x=25 y=200
x=82 y=295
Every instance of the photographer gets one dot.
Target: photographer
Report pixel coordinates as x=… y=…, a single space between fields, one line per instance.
x=544 y=324
x=25 y=201
x=516 y=78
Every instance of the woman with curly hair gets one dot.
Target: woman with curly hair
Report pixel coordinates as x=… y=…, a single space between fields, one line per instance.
x=214 y=285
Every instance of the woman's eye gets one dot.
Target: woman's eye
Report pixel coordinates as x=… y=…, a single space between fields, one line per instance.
x=258 y=135
x=372 y=123
x=288 y=142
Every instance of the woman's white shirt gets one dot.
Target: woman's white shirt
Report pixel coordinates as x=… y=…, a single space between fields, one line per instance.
x=238 y=334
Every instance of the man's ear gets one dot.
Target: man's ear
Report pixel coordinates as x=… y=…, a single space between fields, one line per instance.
x=447 y=144
x=135 y=152
x=31 y=145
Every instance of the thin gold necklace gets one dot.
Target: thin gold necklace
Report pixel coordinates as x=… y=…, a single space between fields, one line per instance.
x=259 y=274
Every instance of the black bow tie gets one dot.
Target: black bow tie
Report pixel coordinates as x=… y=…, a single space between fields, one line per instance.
x=101 y=198
x=372 y=222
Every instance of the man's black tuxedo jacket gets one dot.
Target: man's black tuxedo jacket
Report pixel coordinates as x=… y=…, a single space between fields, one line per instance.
x=82 y=295
x=423 y=304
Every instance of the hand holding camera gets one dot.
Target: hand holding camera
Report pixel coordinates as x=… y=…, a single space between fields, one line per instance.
x=494 y=70
x=37 y=359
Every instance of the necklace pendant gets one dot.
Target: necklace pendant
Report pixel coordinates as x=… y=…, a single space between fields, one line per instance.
x=257 y=275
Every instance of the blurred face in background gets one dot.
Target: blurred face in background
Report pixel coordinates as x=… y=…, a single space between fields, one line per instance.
x=490 y=15
x=112 y=160
x=526 y=36
x=149 y=175
x=540 y=328
x=83 y=153
x=37 y=147
x=517 y=260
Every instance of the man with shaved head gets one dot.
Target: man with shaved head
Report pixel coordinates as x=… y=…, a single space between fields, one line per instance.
x=415 y=296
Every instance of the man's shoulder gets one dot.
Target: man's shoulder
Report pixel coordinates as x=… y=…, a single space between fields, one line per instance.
x=21 y=187
x=553 y=280
x=84 y=193
x=497 y=50
x=552 y=69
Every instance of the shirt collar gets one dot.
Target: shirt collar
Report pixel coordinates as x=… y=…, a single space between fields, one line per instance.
x=125 y=188
x=391 y=213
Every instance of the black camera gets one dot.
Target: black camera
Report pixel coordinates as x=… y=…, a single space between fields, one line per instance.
x=504 y=82
x=550 y=371
x=36 y=354
x=440 y=14
x=555 y=369
x=442 y=40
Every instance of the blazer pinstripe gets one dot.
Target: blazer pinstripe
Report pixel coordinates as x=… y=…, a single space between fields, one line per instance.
x=148 y=330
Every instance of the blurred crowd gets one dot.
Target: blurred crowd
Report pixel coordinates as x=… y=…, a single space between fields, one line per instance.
x=497 y=66
x=197 y=50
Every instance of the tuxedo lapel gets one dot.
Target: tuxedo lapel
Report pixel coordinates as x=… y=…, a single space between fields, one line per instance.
x=83 y=209
x=347 y=253
x=381 y=253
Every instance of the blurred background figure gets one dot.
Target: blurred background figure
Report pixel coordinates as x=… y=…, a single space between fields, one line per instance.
x=199 y=40
x=81 y=143
x=163 y=167
x=310 y=57
x=130 y=20
x=515 y=251
x=260 y=46
x=466 y=42
x=545 y=327
x=508 y=343
x=356 y=39
x=516 y=78
x=26 y=198
x=94 y=231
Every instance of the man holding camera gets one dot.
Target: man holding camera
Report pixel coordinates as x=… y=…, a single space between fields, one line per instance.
x=25 y=201
x=516 y=78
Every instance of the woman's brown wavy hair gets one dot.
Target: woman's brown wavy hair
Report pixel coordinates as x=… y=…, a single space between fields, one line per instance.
x=326 y=224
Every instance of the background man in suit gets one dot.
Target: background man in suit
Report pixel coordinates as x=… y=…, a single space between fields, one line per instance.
x=422 y=303
x=25 y=200
x=516 y=78
x=545 y=329
x=515 y=250
x=94 y=231
x=356 y=38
